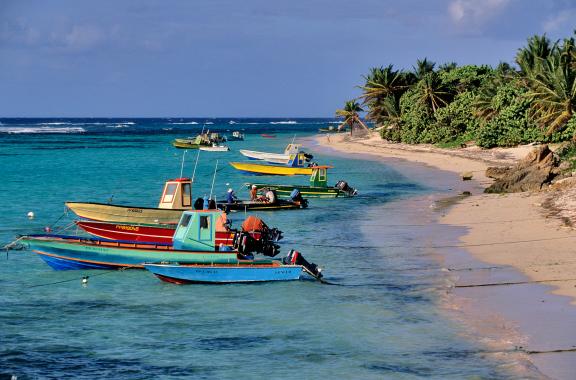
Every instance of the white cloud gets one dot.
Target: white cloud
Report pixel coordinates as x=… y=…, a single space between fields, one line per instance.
x=559 y=20
x=475 y=12
x=81 y=37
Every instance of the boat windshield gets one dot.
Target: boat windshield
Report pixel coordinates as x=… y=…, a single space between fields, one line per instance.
x=186 y=195
x=169 y=193
x=185 y=220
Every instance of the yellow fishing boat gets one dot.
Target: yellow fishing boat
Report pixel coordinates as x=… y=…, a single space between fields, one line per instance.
x=297 y=165
x=264 y=169
x=176 y=197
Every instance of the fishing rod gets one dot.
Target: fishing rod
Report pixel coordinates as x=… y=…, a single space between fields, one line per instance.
x=195 y=165
x=182 y=165
x=213 y=179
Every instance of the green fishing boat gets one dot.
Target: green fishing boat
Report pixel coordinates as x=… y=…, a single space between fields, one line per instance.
x=191 y=143
x=318 y=187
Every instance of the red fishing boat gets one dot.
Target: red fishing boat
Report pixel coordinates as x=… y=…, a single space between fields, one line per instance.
x=163 y=233
x=268 y=136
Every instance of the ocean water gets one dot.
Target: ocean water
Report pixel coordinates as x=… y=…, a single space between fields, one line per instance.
x=380 y=319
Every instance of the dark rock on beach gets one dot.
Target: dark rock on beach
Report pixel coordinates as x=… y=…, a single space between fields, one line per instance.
x=532 y=173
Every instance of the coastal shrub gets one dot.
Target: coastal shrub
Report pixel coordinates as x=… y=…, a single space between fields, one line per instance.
x=466 y=78
x=415 y=118
x=512 y=124
x=566 y=134
x=457 y=120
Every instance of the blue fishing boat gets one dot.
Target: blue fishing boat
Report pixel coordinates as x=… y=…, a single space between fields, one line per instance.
x=194 y=242
x=261 y=270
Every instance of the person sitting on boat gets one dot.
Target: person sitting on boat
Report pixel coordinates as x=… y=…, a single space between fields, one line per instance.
x=222 y=223
x=254 y=193
x=230 y=197
x=270 y=196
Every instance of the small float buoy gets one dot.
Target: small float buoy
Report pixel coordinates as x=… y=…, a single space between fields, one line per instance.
x=84 y=281
x=30 y=215
x=47 y=229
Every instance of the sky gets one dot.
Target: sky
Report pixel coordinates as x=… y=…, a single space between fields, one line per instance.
x=249 y=58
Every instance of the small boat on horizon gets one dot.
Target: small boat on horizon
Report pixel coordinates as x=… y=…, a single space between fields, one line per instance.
x=236 y=136
x=215 y=148
x=265 y=135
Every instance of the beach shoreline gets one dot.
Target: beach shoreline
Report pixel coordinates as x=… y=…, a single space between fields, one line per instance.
x=512 y=234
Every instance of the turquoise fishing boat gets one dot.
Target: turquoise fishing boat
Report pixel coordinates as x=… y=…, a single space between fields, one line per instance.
x=194 y=242
x=318 y=187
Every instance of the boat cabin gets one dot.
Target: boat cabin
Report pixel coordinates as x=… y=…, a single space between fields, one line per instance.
x=319 y=177
x=297 y=160
x=292 y=149
x=196 y=230
x=177 y=194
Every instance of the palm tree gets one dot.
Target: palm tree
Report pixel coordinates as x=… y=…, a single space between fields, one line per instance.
x=552 y=87
x=531 y=57
x=351 y=116
x=382 y=84
x=423 y=67
x=433 y=92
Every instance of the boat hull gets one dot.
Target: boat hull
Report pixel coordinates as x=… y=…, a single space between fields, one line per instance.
x=222 y=274
x=124 y=214
x=263 y=169
x=284 y=191
x=70 y=252
x=143 y=233
x=273 y=158
x=214 y=148
x=185 y=145
x=260 y=206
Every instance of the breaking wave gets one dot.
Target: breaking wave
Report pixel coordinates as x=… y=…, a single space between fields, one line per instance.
x=33 y=130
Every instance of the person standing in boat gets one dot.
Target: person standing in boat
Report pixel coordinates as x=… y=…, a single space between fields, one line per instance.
x=230 y=199
x=253 y=193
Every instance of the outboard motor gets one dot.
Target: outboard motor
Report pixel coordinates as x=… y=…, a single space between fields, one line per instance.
x=296 y=196
x=343 y=186
x=246 y=244
x=295 y=258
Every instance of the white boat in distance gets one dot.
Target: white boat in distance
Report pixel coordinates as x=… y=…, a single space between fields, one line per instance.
x=273 y=158
x=215 y=148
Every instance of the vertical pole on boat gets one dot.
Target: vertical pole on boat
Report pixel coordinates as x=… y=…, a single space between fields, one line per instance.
x=213 y=179
x=197 y=157
x=195 y=165
x=182 y=165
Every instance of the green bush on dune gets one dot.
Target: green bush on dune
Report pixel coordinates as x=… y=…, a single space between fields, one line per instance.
x=502 y=106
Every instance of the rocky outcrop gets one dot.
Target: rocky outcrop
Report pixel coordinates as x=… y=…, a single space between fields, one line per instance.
x=532 y=173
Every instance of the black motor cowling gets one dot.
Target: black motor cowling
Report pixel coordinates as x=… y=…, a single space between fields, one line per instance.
x=245 y=244
x=343 y=186
x=295 y=258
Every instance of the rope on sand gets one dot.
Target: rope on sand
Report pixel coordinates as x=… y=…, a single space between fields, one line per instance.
x=514 y=283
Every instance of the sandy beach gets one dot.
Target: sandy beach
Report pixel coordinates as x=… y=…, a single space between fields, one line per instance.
x=529 y=247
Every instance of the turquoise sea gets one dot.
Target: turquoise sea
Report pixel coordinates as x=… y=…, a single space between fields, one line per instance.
x=381 y=319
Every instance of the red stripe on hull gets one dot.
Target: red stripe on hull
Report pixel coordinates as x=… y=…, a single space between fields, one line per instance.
x=148 y=234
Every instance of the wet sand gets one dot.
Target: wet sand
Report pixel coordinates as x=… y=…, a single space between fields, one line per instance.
x=508 y=239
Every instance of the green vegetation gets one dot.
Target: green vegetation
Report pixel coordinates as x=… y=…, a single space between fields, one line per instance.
x=451 y=105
